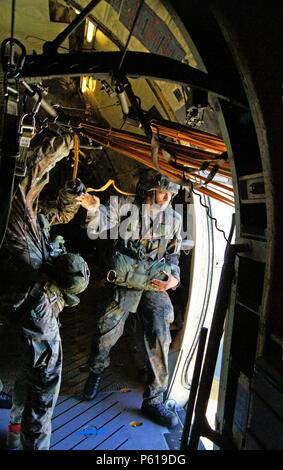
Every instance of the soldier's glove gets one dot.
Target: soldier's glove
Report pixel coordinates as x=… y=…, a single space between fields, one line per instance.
x=76 y=188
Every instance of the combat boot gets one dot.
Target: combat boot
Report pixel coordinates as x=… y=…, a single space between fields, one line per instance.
x=13 y=439
x=159 y=414
x=91 y=386
x=5 y=400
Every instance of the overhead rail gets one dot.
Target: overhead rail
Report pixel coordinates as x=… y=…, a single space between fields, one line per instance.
x=136 y=64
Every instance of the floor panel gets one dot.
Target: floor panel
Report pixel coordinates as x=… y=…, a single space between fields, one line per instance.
x=104 y=423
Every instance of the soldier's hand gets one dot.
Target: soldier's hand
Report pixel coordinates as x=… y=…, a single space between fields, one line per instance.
x=162 y=286
x=89 y=201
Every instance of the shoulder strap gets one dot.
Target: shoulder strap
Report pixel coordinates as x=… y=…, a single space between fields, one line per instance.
x=162 y=244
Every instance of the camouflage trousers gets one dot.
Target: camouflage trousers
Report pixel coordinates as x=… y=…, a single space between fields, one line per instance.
x=37 y=385
x=157 y=313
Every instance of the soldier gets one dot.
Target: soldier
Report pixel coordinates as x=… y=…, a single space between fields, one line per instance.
x=36 y=284
x=152 y=203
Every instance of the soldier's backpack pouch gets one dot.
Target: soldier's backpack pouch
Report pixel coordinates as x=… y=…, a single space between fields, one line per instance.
x=136 y=274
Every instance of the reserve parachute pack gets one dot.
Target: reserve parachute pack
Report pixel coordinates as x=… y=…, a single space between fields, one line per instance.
x=137 y=274
x=72 y=274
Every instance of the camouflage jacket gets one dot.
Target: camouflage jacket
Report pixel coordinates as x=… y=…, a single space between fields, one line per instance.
x=135 y=236
x=24 y=250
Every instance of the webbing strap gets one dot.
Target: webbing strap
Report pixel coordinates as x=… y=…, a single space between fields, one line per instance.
x=106 y=185
x=75 y=171
x=76 y=156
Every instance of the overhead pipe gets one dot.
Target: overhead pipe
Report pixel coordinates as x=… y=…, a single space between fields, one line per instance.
x=44 y=104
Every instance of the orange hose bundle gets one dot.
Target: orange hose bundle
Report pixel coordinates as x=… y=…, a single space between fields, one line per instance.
x=178 y=162
x=197 y=137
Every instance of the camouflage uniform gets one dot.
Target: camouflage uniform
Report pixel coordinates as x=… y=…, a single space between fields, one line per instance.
x=5 y=399
x=155 y=306
x=32 y=300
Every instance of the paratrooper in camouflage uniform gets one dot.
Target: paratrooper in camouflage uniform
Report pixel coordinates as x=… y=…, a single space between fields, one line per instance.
x=155 y=305
x=33 y=297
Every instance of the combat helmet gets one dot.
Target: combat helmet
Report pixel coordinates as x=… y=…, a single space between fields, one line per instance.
x=160 y=182
x=151 y=180
x=72 y=276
